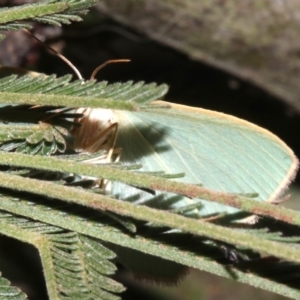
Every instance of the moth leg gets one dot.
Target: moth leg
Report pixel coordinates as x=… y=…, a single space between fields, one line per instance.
x=113 y=155
x=115 y=128
x=110 y=158
x=57 y=112
x=118 y=152
x=103 y=184
x=108 y=143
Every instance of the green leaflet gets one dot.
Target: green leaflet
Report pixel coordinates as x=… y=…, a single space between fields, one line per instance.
x=74 y=266
x=52 y=12
x=9 y=292
x=43 y=139
x=170 y=247
x=52 y=91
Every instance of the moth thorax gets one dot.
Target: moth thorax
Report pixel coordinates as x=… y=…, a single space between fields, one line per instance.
x=97 y=131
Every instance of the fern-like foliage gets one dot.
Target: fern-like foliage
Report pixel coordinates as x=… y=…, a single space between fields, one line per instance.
x=75 y=267
x=10 y=292
x=41 y=139
x=138 y=93
x=54 y=12
x=57 y=204
x=49 y=136
x=197 y=252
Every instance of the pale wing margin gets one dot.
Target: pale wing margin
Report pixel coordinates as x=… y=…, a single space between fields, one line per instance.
x=287 y=160
x=219 y=151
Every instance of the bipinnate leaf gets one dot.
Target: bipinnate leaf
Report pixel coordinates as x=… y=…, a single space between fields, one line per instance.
x=76 y=226
x=53 y=12
x=74 y=266
x=52 y=91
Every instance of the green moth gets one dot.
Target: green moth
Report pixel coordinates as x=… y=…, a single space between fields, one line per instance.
x=218 y=151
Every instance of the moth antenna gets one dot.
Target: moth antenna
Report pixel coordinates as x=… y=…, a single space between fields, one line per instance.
x=56 y=53
x=111 y=61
